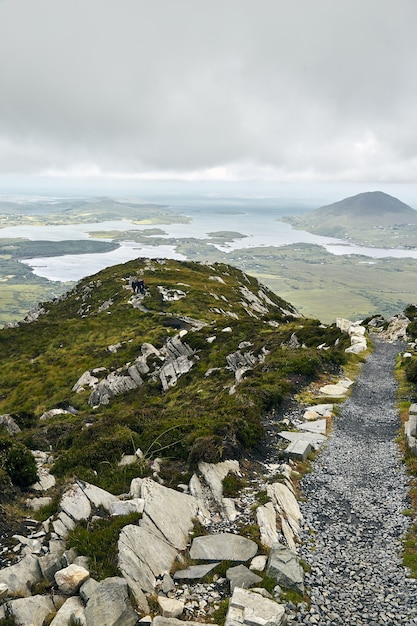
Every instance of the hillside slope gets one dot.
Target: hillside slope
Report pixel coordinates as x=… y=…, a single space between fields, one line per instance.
x=372 y=218
x=184 y=370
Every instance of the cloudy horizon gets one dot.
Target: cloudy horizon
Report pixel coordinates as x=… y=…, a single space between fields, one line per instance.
x=237 y=90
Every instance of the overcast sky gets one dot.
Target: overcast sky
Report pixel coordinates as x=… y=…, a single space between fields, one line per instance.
x=277 y=90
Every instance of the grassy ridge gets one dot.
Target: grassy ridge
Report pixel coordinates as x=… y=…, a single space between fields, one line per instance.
x=206 y=415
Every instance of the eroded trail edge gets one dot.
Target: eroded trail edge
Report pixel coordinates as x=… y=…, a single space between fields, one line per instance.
x=355 y=497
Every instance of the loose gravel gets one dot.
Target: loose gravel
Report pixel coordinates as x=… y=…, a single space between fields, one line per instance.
x=355 y=496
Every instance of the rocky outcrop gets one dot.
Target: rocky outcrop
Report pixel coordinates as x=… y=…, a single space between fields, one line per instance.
x=9 y=424
x=357 y=335
x=168 y=364
x=147 y=552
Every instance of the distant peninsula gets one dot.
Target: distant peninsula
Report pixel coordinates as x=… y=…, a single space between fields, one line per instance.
x=372 y=218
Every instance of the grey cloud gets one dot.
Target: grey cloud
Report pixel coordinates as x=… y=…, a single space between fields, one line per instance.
x=322 y=87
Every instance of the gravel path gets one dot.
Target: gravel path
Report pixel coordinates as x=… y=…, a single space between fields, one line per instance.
x=354 y=499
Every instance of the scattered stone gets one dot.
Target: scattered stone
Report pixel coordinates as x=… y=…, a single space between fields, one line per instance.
x=70 y=579
x=258 y=563
x=298 y=450
x=241 y=576
x=170 y=607
x=252 y=609
x=195 y=571
x=318 y=426
x=9 y=424
x=284 y=566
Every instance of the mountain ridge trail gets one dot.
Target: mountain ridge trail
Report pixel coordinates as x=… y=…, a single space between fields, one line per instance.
x=354 y=499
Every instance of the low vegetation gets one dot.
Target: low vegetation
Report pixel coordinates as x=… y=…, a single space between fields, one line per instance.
x=206 y=415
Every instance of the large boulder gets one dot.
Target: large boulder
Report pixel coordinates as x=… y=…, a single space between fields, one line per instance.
x=21 y=576
x=168 y=513
x=143 y=556
x=109 y=605
x=223 y=547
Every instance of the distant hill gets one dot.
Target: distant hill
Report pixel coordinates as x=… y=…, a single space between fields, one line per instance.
x=372 y=218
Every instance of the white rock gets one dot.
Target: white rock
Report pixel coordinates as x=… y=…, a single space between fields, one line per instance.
x=125 y=507
x=72 y=609
x=267 y=521
x=170 y=607
x=258 y=563
x=168 y=513
x=252 y=609
x=70 y=579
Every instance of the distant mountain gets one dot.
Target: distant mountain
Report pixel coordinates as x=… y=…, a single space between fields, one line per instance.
x=372 y=218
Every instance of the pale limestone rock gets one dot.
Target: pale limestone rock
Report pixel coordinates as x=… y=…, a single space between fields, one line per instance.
x=318 y=426
x=87 y=589
x=343 y=324
x=167 y=512
x=125 y=507
x=20 y=576
x=288 y=533
x=45 y=480
x=97 y=496
x=135 y=488
x=284 y=566
x=325 y=410
x=247 y=608
x=75 y=503
x=196 y=489
x=223 y=546
x=314 y=438
x=31 y=611
x=214 y=473
x=9 y=424
x=241 y=576
x=70 y=579
x=267 y=521
x=195 y=572
x=356 y=348
x=86 y=380
x=36 y=504
x=53 y=413
x=170 y=607
x=286 y=503
x=229 y=509
x=334 y=391
x=127 y=459
x=72 y=609
x=109 y=605
x=143 y=556
x=311 y=415
x=3 y=590
x=258 y=563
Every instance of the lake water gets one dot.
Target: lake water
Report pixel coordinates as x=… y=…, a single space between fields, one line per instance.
x=261 y=227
